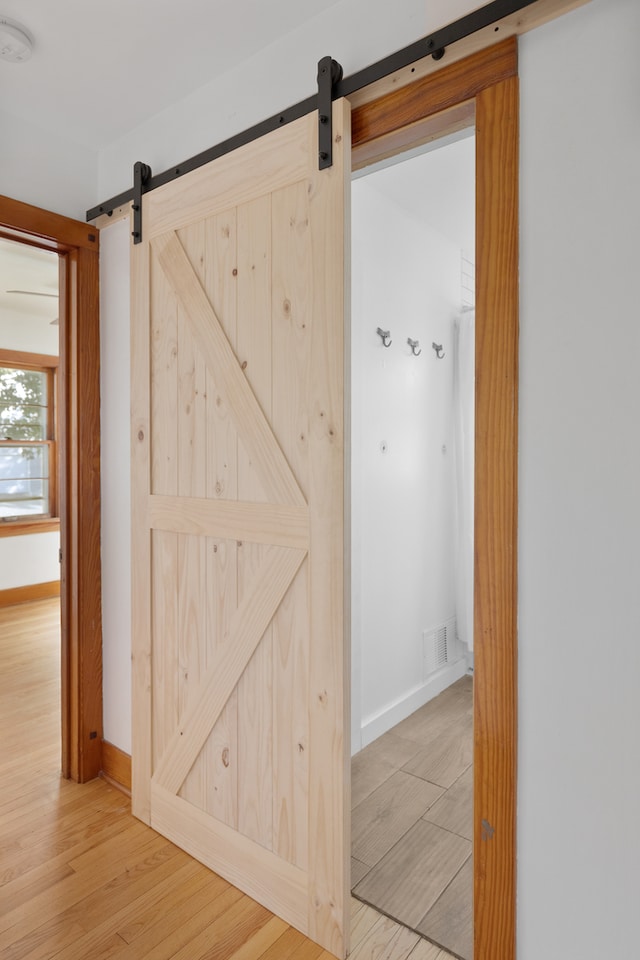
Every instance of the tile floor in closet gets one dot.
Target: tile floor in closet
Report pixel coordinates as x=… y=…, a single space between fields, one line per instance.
x=411 y=826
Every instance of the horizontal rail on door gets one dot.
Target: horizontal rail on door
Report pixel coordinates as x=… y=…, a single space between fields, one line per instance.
x=434 y=45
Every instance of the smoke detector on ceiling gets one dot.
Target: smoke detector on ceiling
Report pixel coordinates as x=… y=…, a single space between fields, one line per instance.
x=16 y=44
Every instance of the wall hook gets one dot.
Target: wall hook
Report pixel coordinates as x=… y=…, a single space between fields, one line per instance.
x=438 y=349
x=385 y=334
x=414 y=344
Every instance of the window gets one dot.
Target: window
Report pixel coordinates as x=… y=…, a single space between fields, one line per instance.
x=28 y=459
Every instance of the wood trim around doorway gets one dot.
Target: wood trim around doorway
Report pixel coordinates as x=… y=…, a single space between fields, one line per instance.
x=79 y=403
x=483 y=90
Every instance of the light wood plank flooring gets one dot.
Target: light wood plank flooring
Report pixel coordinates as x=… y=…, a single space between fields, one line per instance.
x=81 y=878
x=412 y=817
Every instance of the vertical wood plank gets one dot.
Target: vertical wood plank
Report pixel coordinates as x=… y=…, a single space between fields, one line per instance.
x=141 y=678
x=222 y=745
x=222 y=482
x=254 y=322
x=329 y=681
x=255 y=722
x=192 y=654
x=192 y=482
x=495 y=715
x=192 y=400
x=163 y=386
x=290 y=791
x=291 y=361
x=164 y=639
x=220 y=283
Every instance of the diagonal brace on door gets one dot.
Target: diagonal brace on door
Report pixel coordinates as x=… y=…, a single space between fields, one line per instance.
x=258 y=438
x=247 y=627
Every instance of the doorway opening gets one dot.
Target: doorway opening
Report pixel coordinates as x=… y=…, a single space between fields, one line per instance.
x=413 y=372
x=29 y=466
x=76 y=450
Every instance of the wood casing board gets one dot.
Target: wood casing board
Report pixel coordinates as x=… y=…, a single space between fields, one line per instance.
x=496 y=521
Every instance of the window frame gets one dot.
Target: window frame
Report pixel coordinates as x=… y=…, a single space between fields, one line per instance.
x=46 y=363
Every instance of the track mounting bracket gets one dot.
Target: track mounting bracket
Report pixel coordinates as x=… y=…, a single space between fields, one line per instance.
x=141 y=177
x=329 y=74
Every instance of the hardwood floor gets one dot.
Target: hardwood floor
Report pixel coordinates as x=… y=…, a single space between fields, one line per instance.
x=411 y=824
x=81 y=878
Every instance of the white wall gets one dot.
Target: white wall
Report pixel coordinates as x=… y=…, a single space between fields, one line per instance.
x=115 y=487
x=29 y=559
x=579 y=602
x=46 y=170
x=406 y=279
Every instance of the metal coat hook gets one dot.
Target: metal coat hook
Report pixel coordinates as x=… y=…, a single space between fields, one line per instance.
x=385 y=334
x=414 y=344
x=438 y=349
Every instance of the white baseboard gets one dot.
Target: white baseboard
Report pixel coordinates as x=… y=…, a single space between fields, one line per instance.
x=377 y=724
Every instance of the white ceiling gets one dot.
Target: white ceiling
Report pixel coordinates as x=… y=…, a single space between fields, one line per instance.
x=100 y=67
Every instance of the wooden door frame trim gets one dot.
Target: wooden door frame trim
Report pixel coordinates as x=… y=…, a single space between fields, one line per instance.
x=79 y=404
x=488 y=83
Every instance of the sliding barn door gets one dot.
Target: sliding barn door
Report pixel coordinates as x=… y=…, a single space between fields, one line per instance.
x=240 y=672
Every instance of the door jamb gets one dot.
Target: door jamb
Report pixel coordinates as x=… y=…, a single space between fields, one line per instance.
x=486 y=84
x=79 y=442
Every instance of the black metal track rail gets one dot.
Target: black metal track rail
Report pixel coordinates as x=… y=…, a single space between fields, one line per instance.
x=435 y=45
